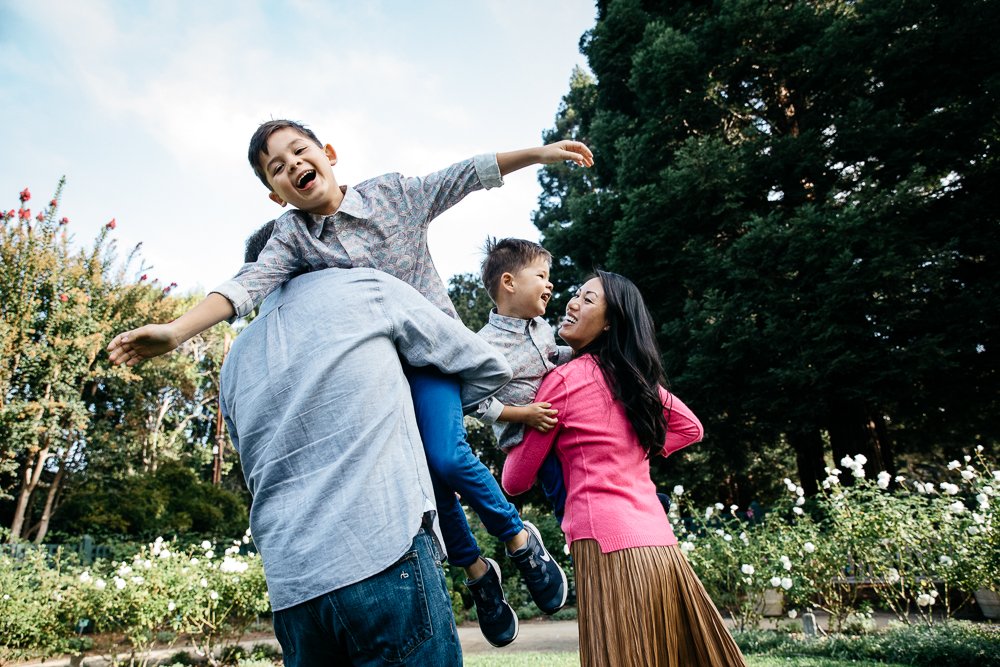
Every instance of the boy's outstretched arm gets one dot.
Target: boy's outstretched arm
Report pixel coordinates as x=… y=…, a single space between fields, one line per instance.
x=152 y=340
x=573 y=151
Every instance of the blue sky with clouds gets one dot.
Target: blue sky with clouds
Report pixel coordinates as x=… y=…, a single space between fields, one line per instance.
x=147 y=107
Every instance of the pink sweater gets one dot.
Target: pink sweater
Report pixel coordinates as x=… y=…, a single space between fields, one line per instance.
x=609 y=494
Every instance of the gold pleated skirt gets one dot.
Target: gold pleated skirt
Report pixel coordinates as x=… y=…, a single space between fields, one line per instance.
x=645 y=607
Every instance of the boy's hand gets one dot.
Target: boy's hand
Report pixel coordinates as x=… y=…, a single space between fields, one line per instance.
x=146 y=342
x=540 y=417
x=573 y=151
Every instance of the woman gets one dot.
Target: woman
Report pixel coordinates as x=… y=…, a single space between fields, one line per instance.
x=639 y=601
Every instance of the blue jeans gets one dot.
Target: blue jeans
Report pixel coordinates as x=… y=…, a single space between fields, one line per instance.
x=400 y=616
x=455 y=469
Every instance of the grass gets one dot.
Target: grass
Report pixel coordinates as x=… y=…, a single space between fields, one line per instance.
x=571 y=659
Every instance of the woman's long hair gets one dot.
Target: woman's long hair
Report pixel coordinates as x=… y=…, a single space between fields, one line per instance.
x=629 y=358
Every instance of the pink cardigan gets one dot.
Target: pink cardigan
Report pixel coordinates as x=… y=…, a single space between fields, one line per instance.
x=609 y=494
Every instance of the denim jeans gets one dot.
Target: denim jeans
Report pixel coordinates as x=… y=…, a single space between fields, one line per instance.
x=400 y=616
x=455 y=469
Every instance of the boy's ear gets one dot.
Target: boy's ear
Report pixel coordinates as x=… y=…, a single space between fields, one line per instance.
x=507 y=282
x=276 y=199
x=330 y=153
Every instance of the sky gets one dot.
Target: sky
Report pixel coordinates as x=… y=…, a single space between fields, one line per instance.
x=147 y=108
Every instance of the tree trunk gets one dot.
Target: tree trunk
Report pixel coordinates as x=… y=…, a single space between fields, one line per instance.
x=31 y=474
x=50 y=498
x=808 y=446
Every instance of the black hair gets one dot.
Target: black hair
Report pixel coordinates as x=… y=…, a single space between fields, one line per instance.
x=629 y=358
x=257 y=241
x=507 y=256
x=258 y=143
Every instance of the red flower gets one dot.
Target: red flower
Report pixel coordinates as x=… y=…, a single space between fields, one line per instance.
x=166 y=290
x=63 y=298
x=11 y=213
x=172 y=285
x=112 y=224
x=40 y=218
x=53 y=203
x=23 y=213
x=143 y=277
x=25 y=195
x=64 y=221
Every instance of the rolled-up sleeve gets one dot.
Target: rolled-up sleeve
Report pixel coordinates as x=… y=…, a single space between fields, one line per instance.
x=489 y=410
x=488 y=170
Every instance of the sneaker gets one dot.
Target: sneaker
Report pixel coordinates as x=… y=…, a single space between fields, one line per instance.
x=497 y=620
x=546 y=581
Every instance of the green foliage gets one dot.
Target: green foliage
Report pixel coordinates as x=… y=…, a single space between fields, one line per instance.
x=813 y=229
x=170 y=501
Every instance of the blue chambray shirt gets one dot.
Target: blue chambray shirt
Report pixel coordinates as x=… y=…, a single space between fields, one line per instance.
x=321 y=416
x=530 y=348
x=381 y=223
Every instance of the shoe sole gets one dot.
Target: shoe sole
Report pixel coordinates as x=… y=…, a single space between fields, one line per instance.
x=530 y=527
x=517 y=625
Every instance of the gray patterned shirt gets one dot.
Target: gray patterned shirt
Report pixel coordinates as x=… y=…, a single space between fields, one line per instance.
x=530 y=348
x=381 y=223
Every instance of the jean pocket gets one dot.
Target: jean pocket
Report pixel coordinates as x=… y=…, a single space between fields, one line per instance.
x=388 y=613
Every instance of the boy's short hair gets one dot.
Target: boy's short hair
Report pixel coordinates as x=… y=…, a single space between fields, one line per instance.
x=508 y=256
x=258 y=142
x=257 y=241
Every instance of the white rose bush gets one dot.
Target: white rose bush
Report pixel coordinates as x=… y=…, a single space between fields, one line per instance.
x=920 y=546
x=164 y=593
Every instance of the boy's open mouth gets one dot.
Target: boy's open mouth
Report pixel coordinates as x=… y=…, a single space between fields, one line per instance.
x=305 y=179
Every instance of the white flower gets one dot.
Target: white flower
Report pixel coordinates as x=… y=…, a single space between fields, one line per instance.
x=978 y=518
x=720 y=532
x=967 y=458
x=747 y=569
x=996 y=475
x=900 y=479
x=246 y=539
x=147 y=564
x=6 y=596
x=171 y=605
x=786 y=562
x=950 y=489
x=165 y=554
x=924 y=600
x=860 y=460
x=206 y=545
x=727 y=538
x=979 y=448
x=945 y=560
x=100 y=584
x=209 y=554
x=919 y=486
x=231 y=565
x=678 y=490
x=708 y=513
x=809 y=547
x=832 y=480
x=85 y=577
x=786 y=583
x=957 y=507
x=775 y=582
x=982 y=499
x=893 y=576
x=203 y=582
x=847 y=462
x=138 y=580
x=972 y=530
x=859 y=472
x=800 y=501
x=988 y=490
x=799 y=491
x=798 y=510
x=119 y=583
x=954 y=465
x=884 y=479
x=687 y=547
x=744 y=538
x=720 y=506
x=733 y=508
x=124 y=571
x=792 y=614
x=968 y=475
x=213 y=595
x=790 y=484
x=194 y=561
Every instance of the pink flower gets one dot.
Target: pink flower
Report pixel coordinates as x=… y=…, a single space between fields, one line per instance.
x=64 y=221
x=40 y=218
x=11 y=213
x=53 y=203
x=25 y=195
x=112 y=224
x=172 y=285
x=143 y=277
x=23 y=213
x=63 y=298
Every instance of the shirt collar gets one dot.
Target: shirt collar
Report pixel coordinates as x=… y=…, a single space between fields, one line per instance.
x=512 y=324
x=352 y=204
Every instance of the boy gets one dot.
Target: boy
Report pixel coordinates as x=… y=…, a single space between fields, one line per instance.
x=382 y=223
x=516 y=276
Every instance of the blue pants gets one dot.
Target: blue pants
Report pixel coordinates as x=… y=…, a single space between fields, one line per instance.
x=401 y=615
x=455 y=469
x=550 y=478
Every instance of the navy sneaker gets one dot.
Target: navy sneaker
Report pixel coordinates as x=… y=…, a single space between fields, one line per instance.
x=546 y=581
x=497 y=620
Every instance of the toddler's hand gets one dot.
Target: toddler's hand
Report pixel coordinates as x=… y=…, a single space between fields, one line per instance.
x=146 y=342
x=574 y=151
x=540 y=417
